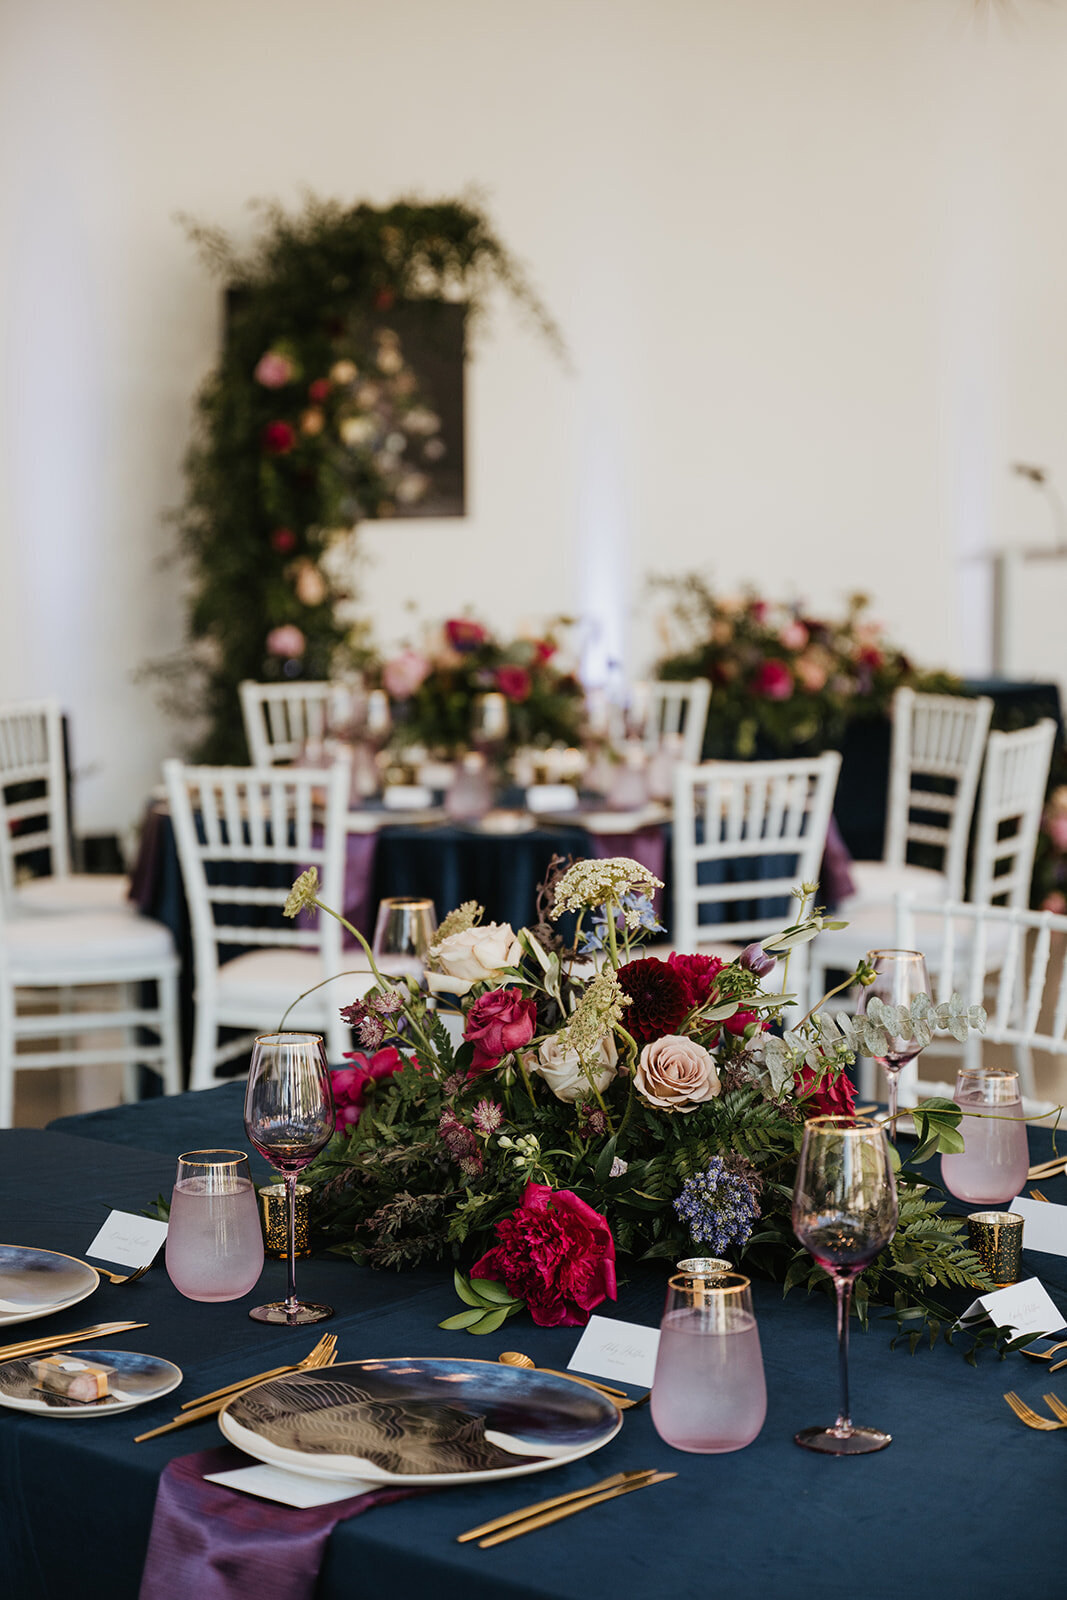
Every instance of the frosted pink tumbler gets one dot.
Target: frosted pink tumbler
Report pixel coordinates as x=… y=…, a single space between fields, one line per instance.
x=709 y=1395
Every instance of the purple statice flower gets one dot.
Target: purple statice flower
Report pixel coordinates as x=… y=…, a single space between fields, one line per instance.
x=756 y=959
x=718 y=1207
x=487 y=1117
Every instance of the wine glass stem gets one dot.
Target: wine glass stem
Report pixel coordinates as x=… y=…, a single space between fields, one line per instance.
x=290 y=1195
x=893 y=1075
x=843 y=1287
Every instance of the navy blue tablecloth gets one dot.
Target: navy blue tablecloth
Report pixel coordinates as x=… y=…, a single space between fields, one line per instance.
x=964 y=1503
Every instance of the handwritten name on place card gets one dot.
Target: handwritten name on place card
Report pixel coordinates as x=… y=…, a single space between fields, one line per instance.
x=1025 y=1307
x=623 y=1351
x=127 y=1240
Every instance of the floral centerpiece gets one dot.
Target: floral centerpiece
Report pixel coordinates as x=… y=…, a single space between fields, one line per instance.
x=785 y=681
x=434 y=691
x=552 y=1107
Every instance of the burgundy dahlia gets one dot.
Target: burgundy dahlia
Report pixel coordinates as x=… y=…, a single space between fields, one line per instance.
x=658 y=996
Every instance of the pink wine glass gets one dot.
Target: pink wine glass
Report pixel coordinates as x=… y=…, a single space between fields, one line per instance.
x=844 y=1213
x=289 y=1117
x=900 y=975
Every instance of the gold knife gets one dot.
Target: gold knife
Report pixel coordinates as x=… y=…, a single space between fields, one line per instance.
x=548 y=1517
x=526 y=1512
x=32 y=1347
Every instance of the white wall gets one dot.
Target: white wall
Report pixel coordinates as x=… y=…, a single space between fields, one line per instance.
x=808 y=256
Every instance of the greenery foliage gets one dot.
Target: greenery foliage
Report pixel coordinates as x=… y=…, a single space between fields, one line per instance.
x=311 y=421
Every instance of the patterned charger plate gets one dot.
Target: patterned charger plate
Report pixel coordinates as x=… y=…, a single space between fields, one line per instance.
x=137 y=1379
x=419 y=1420
x=35 y=1283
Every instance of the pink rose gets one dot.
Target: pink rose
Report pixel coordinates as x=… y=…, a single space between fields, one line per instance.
x=497 y=1023
x=405 y=673
x=676 y=1074
x=349 y=1084
x=556 y=1253
x=514 y=682
x=794 y=635
x=273 y=370
x=286 y=641
x=319 y=390
x=811 y=674
x=278 y=438
x=774 y=680
x=283 y=540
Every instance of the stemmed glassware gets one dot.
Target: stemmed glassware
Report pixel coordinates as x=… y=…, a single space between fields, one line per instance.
x=403 y=933
x=900 y=975
x=289 y=1117
x=844 y=1213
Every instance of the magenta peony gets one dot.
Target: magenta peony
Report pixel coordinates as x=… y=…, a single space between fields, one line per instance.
x=497 y=1023
x=514 y=682
x=278 y=438
x=405 y=673
x=556 y=1253
x=834 y=1097
x=698 y=973
x=774 y=681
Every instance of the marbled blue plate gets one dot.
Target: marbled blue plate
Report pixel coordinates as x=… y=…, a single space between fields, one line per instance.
x=137 y=1379
x=34 y=1283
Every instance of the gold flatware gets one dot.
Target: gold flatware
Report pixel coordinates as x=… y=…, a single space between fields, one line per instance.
x=1057 y=1365
x=58 y=1341
x=324 y=1348
x=517 y=1529
x=1045 y=1355
x=118 y=1277
x=865 y=1111
x=515 y=1358
x=1056 y=1405
x=526 y=1512
x=1048 y=1169
x=201 y=1412
x=1032 y=1418
x=1035 y=1194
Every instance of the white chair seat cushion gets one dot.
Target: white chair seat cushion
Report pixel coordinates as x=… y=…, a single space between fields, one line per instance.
x=92 y=940
x=80 y=891
x=877 y=883
x=255 y=989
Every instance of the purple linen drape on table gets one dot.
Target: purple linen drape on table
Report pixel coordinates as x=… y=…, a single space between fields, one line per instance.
x=215 y=1543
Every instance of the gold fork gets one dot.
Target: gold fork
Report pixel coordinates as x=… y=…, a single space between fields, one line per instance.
x=1032 y=1418
x=325 y=1358
x=323 y=1349
x=1035 y=1194
x=1056 y=1405
x=121 y=1277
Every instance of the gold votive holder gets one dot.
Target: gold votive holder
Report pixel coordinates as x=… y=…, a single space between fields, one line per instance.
x=996 y=1237
x=275 y=1209
x=703 y=1269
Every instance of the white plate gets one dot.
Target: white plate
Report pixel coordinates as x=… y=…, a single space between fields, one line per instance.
x=138 y=1379
x=36 y=1283
x=420 y=1420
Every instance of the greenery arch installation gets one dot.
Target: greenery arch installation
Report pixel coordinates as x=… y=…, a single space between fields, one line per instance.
x=311 y=421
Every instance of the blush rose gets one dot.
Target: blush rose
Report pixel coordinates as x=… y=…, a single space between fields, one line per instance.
x=676 y=1074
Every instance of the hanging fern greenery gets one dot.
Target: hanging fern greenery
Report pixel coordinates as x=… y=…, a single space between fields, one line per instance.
x=312 y=420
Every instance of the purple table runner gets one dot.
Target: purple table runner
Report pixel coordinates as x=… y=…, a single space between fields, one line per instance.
x=213 y=1543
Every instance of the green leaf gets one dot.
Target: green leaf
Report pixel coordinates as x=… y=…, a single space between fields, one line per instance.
x=490 y=1322
x=463 y=1319
x=489 y=1290
x=464 y=1290
x=602 y=1170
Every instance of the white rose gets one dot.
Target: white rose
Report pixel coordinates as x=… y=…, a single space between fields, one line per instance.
x=562 y=1069
x=472 y=956
x=676 y=1074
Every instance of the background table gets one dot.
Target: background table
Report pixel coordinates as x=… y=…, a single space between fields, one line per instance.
x=965 y=1502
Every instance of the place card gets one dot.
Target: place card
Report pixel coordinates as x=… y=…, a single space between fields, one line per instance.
x=1044 y=1225
x=623 y=1351
x=1025 y=1307
x=290 y=1488
x=407 y=797
x=128 y=1241
x=545 y=798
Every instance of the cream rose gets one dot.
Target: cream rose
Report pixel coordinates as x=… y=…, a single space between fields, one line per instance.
x=676 y=1074
x=472 y=956
x=562 y=1068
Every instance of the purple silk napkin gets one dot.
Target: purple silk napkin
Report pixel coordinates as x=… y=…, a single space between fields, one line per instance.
x=216 y=1543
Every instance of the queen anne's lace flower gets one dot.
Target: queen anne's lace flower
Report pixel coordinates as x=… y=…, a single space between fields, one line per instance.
x=595 y=1015
x=303 y=894
x=589 y=884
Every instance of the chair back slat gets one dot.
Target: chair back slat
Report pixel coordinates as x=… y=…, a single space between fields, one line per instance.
x=281 y=718
x=1009 y=814
x=31 y=756
x=939 y=737
x=677 y=712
